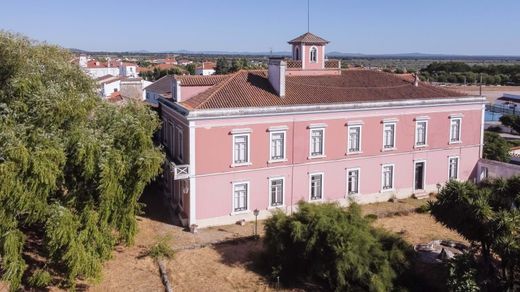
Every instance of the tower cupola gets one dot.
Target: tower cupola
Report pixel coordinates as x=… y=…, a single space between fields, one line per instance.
x=310 y=50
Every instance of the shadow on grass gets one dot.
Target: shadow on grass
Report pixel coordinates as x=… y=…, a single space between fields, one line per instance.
x=156 y=205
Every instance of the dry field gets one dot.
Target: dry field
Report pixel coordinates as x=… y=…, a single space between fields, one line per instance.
x=491 y=92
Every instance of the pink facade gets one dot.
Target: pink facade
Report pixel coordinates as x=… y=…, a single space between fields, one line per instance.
x=238 y=159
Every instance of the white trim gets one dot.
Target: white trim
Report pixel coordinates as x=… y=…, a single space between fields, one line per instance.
x=383 y=190
x=481 y=150
x=271 y=133
x=355 y=123
x=248 y=192
x=425 y=133
x=458 y=166
x=415 y=162
x=394 y=136
x=322 y=186
x=278 y=128
x=248 y=162
x=271 y=179
x=458 y=115
x=459 y=140
x=360 y=150
x=422 y=118
x=347 y=195
x=317 y=126
x=193 y=181
x=322 y=155
x=390 y=120
x=241 y=131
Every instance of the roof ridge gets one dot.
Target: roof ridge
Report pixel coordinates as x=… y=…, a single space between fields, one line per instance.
x=218 y=87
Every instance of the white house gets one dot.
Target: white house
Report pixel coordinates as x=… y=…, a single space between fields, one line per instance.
x=207 y=68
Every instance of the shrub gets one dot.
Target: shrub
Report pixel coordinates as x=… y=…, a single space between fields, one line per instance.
x=40 y=279
x=335 y=247
x=423 y=209
x=161 y=249
x=462 y=274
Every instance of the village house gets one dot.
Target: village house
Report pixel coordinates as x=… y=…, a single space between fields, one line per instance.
x=206 y=68
x=98 y=69
x=306 y=130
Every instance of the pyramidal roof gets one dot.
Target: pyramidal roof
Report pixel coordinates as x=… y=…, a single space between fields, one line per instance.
x=308 y=38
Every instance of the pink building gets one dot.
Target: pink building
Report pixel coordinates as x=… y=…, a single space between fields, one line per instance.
x=307 y=130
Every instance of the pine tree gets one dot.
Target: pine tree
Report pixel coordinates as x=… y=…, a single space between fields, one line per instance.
x=72 y=167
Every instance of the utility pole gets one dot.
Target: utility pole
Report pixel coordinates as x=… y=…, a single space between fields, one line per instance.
x=308 y=15
x=480 y=84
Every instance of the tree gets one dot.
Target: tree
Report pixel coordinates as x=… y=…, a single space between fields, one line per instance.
x=486 y=215
x=512 y=121
x=72 y=167
x=496 y=147
x=223 y=66
x=191 y=69
x=333 y=246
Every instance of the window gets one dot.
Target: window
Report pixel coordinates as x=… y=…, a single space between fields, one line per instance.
x=484 y=173
x=455 y=124
x=387 y=177
x=389 y=135
x=353 y=181
x=420 y=133
x=276 y=192
x=354 y=139
x=453 y=168
x=296 y=53
x=316 y=186
x=180 y=144
x=317 y=136
x=241 y=149
x=240 y=197
x=314 y=55
x=277 y=146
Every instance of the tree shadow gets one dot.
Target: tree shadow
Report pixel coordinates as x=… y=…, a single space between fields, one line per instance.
x=156 y=207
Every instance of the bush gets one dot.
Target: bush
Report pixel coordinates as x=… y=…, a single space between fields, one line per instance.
x=161 y=249
x=423 y=209
x=462 y=274
x=335 y=247
x=40 y=279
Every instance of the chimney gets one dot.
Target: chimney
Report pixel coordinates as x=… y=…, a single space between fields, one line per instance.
x=108 y=62
x=176 y=90
x=83 y=60
x=276 y=75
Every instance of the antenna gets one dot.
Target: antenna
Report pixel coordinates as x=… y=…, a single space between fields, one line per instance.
x=308 y=15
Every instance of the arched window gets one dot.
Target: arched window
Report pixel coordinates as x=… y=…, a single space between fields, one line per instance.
x=296 y=53
x=314 y=55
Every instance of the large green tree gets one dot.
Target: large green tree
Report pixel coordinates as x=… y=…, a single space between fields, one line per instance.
x=335 y=246
x=496 y=147
x=72 y=167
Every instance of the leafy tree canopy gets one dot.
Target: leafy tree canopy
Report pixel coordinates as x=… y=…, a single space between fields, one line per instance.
x=496 y=147
x=334 y=246
x=72 y=167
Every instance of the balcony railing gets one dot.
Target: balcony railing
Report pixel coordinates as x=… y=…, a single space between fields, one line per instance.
x=293 y=64
x=329 y=64
x=180 y=171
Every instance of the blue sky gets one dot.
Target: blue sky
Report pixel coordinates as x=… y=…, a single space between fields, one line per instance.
x=473 y=27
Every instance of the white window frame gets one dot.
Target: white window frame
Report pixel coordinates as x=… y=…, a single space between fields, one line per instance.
x=284 y=145
x=424 y=174
x=449 y=166
x=459 y=140
x=322 y=186
x=248 y=193
x=359 y=139
x=358 y=182
x=383 y=190
x=248 y=154
x=311 y=156
x=316 y=55
x=180 y=144
x=271 y=179
x=395 y=136
x=425 y=133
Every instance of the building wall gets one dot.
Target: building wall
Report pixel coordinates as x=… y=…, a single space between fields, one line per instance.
x=214 y=172
x=99 y=72
x=307 y=64
x=109 y=88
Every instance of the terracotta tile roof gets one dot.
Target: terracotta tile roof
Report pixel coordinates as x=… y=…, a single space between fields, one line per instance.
x=115 y=97
x=199 y=80
x=97 y=64
x=207 y=66
x=161 y=86
x=308 y=38
x=252 y=89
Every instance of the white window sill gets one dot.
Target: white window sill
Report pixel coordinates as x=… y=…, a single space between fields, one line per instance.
x=276 y=207
x=316 y=200
x=241 y=164
x=388 y=149
x=455 y=142
x=354 y=152
x=420 y=146
x=239 y=212
x=387 y=190
x=317 y=156
x=276 y=161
